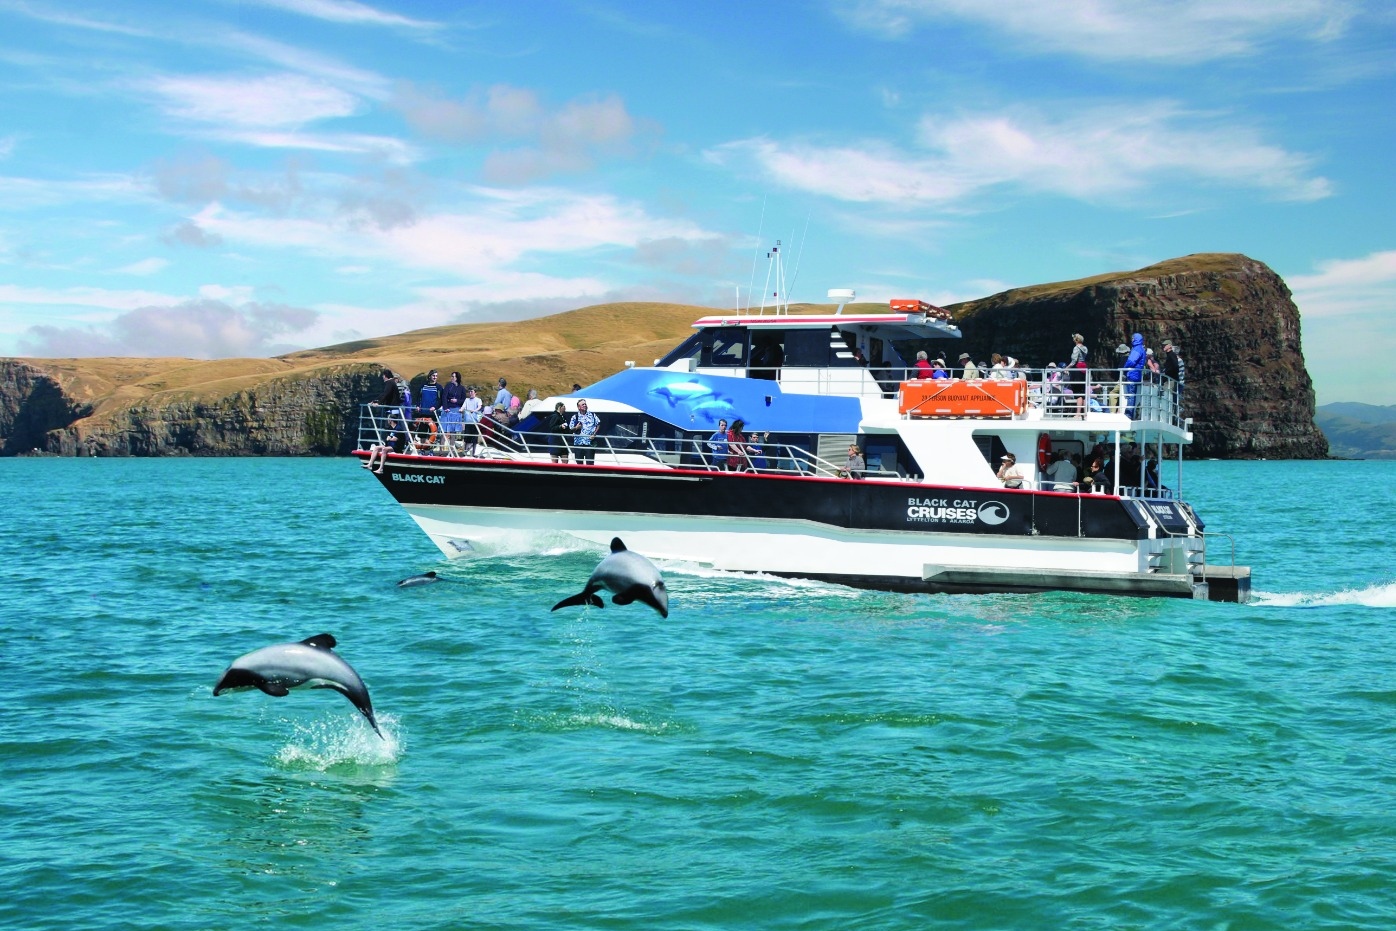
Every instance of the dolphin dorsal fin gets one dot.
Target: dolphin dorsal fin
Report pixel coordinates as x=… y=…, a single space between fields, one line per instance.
x=323 y=641
x=616 y=545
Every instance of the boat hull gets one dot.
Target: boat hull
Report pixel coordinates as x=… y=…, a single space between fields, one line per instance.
x=897 y=536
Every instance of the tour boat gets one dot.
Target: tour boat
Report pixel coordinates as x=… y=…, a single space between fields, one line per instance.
x=925 y=510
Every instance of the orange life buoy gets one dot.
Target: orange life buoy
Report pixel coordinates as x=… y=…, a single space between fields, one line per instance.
x=431 y=427
x=1044 y=452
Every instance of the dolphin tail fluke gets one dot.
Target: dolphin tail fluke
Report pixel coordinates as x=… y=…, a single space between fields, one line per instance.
x=581 y=598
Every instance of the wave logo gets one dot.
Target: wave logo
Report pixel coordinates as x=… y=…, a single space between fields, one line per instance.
x=993 y=512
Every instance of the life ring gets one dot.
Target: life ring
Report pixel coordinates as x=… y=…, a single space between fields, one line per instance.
x=1044 y=451
x=431 y=428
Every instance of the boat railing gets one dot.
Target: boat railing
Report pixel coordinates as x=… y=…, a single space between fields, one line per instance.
x=424 y=434
x=1071 y=394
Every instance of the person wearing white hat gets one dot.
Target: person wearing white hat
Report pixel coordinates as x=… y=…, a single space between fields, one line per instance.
x=1008 y=472
x=970 y=369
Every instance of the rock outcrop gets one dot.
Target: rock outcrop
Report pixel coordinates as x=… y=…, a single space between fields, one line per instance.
x=1247 y=389
x=1246 y=386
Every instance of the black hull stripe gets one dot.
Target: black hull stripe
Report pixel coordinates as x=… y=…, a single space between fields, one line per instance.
x=845 y=504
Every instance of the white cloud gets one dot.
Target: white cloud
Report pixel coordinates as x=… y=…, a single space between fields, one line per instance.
x=1347 y=308
x=480 y=240
x=1096 y=154
x=1182 y=31
x=565 y=139
x=1344 y=287
x=347 y=11
x=280 y=101
x=391 y=150
x=202 y=329
x=84 y=297
x=241 y=294
x=144 y=267
x=25 y=193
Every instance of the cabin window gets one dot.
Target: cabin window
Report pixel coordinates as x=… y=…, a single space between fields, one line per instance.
x=807 y=348
x=887 y=453
x=991 y=448
x=688 y=349
x=724 y=347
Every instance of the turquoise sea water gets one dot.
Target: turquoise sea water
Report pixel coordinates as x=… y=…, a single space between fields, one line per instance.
x=775 y=755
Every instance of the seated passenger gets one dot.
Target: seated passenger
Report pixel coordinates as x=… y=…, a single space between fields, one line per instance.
x=855 y=466
x=938 y=369
x=392 y=443
x=922 y=368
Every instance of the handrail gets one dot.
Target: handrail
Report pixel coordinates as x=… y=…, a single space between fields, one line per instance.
x=489 y=439
x=1058 y=393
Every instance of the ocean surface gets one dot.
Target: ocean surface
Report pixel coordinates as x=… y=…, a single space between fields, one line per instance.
x=775 y=755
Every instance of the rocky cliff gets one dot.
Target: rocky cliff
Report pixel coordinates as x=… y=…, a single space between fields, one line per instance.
x=1247 y=388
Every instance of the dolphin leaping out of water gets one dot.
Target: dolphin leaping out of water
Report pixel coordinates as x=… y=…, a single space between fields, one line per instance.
x=284 y=666
x=631 y=576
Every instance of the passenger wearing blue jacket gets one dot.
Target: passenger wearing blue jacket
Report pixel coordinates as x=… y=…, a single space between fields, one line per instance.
x=1134 y=371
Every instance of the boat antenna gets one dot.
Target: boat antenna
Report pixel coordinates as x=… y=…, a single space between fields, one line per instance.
x=800 y=255
x=772 y=264
x=842 y=296
x=756 y=254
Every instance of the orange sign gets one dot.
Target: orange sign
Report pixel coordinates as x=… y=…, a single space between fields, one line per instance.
x=943 y=397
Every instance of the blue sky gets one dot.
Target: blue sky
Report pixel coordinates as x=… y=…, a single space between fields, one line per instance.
x=207 y=178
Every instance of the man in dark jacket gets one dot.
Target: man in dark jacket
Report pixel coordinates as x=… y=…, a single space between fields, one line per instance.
x=1173 y=368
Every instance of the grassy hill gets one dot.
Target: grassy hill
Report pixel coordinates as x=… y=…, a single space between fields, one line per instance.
x=547 y=353
x=1358 y=431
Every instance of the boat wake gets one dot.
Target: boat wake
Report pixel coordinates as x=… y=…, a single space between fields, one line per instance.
x=1373 y=596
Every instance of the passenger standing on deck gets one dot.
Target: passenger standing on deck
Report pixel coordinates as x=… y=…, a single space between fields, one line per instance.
x=1134 y=372
x=502 y=397
x=1008 y=472
x=1077 y=365
x=393 y=394
x=1173 y=368
x=717 y=443
x=429 y=396
x=736 y=447
x=558 y=430
x=470 y=417
x=1062 y=473
x=452 y=397
x=584 y=425
x=756 y=451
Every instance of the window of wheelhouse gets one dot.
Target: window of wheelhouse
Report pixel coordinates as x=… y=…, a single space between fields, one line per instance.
x=687 y=349
x=724 y=347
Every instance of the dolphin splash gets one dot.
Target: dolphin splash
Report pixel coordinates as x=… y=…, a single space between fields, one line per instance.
x=312 y=663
